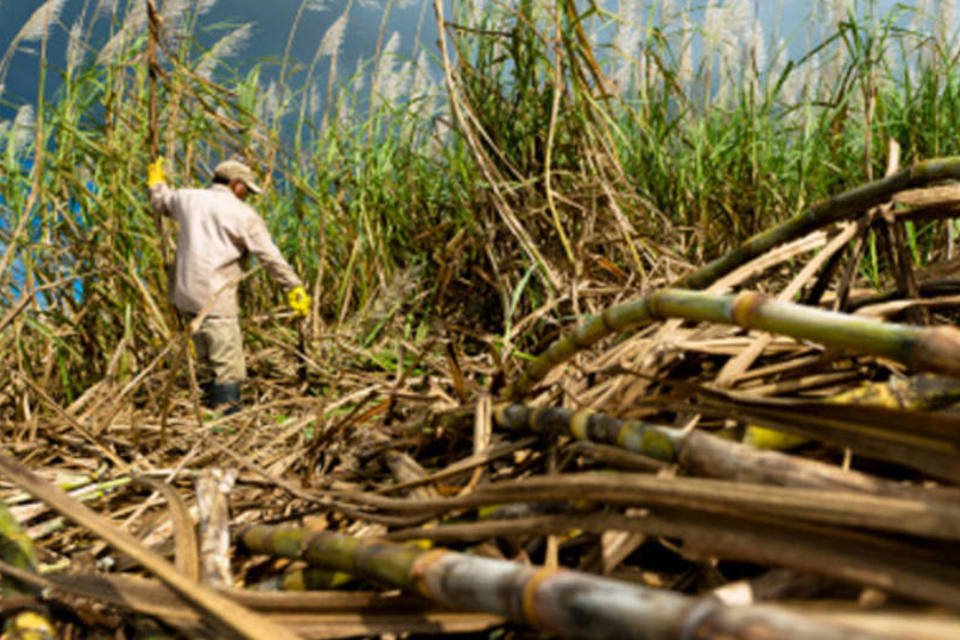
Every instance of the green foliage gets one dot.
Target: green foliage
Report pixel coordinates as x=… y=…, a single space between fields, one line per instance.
x=398 y=210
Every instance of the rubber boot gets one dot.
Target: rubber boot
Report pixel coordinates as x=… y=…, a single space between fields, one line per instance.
x=225 y=397
x=206 y=389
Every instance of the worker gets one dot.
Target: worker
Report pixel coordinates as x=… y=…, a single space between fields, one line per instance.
x=217 y=231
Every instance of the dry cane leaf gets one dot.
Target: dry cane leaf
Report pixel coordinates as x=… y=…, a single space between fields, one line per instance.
x=241 y=621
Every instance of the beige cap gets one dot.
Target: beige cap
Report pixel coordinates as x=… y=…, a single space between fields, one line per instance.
x=232 y=170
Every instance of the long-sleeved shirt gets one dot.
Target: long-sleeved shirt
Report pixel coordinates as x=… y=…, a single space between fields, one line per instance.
x=217 y=230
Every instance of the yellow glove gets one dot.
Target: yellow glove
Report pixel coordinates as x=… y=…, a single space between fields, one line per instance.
x=30 y=624
x=299 y=301
x=155 y=173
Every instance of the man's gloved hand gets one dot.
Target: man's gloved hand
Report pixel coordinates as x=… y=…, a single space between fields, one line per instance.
x=299 y=301
x=155 y=173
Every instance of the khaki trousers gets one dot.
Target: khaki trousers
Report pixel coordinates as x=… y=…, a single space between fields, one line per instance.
x=219 y=346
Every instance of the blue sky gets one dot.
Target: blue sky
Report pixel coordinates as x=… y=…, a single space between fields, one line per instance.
x=272 y=21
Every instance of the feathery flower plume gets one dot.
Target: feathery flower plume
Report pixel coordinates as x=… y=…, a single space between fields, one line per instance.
x=713 y=26
x=793 y=85
x=134 y=22
x=35 y=28
x=316 y=5
x=477 y=10
x=23 y=126
x=926 y=45
x=920 y=25
x=343 y=113
x=269 y=104
x=135 y=19
x=947 y=14
x=685 y=53
x=821 y=73
x=666 y=12
x=626 y=45
x=388 y=56
x=593 y=30
x=440 y=139
x=333 y=38
x=740 y=20
x=205 y=5
x=547 y=8
x=106 y=6
x=835 y=12
x=946 y=27
x=38 y=24
x=173 y=12
x=397 y=84
x=4 y=127
x=385 y=78
x=724 y=26
x=358 y=80
x=758 y=44
x=757 y=56
x=422 y=83
x=228 y=46
x=74 y=46
x=313 y=101
x=922 y=12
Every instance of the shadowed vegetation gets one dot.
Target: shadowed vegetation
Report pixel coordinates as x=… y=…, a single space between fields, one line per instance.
x=520 y=213
x=590 y=144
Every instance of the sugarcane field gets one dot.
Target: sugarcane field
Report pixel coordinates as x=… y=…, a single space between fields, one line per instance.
x=406 y=319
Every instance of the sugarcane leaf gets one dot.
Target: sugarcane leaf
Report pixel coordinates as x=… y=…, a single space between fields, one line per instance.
x=924 y=440
x=187 y=554
x=241 y=621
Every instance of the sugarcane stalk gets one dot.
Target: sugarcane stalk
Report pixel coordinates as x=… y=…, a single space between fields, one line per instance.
x=152 y=65
x=896 y=568
x=569 y=603
x=924 y=440
x=70 y=482
x=839 y=207
x=17 y=550
x=84 y=493
x=153 y=34
x=932 y=349
x=303 y=579
x=697 y=452
x=925 y=515
x=920 y=392
x=212 y=488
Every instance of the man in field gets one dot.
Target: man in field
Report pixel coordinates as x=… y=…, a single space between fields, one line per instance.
x=217 y=230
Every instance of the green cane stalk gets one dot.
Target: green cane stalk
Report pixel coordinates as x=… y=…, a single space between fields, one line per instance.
x=840 y=207
x=571 y=603
x=936 y=349
x=16 y=549
x=701 y=453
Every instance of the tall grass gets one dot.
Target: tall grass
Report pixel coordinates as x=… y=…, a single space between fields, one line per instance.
x=572 y=142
